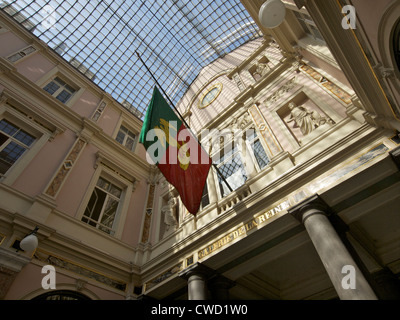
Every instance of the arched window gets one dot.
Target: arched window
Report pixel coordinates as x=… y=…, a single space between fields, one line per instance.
x=62 y=295
x=396 y=44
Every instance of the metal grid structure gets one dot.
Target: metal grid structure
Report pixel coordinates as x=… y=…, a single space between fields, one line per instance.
x=175 y=38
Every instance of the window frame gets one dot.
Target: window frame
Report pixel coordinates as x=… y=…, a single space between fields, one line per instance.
x=123 y=125
x=12 y=139
x=234 y=145
x=108 y=169
x=250 y=144
x=60 y=89
x=108 y=195
x=308 y=25
x=22 y=54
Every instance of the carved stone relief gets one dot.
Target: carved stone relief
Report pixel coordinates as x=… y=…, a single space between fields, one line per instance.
x=169 y=215
x=306 y=119
x=303 y=117
x=260 y=68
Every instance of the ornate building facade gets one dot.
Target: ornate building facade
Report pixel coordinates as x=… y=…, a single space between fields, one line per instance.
x=303 y=125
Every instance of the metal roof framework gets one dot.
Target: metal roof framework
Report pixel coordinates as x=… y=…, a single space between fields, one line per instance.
x=175 y=38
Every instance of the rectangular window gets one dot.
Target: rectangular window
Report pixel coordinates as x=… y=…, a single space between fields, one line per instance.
x=60 y=90
x=21 y=54
x=13 y=143
x=231 y=167
x=308 y=25
x=257 y=149
x=205 y=200
x=102 y=209
x=126 y=138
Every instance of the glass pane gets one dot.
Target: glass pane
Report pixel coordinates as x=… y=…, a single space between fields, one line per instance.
x=95 y=205
x=234 y=173
x=64 y=96
x=7 y=127
x=52 y=87
x=260 y=155
x=12 y=152
x=104 y=184
x=24 y=137
x=120 y=137
x=109 y=213
x=59 y=81
x=3 y=138
x=115 y=191
x=130 y=143
x=205 y=200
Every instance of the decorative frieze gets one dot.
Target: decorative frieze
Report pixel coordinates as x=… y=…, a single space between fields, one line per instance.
x=65 y=168
x=164 y=276
x=326 y=84
x=148 y=214
x=75 y=268
x=288 y=86
x=273 y=146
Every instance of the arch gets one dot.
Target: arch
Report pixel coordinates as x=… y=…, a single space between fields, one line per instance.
x=386 y=34
x=389 y=67
x=396 y=44
x=62 y=295
x=82 y=293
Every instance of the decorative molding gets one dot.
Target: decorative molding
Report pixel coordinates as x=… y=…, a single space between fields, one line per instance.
x=65 y=169
x=273 y=146
x=116 y=166
x=282 y=90
x=75 y=268
x=148 y=214
x=163 y=276
x=327 y=84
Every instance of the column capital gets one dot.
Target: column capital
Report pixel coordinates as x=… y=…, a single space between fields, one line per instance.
x=314 y=202
x=197 y=269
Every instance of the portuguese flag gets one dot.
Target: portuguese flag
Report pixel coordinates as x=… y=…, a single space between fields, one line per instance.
x=175 y=151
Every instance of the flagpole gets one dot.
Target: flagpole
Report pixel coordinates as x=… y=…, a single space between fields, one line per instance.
x=180 y=116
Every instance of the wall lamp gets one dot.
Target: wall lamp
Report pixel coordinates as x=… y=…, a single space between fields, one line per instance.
x=30 y=242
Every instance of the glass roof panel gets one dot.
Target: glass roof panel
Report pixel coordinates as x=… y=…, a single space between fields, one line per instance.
x=175 y=38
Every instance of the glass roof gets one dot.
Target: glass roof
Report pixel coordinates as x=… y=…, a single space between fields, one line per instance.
x=175 y=38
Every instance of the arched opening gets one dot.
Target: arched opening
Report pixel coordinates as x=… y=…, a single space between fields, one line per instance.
x=62 y=295
x=396 y=44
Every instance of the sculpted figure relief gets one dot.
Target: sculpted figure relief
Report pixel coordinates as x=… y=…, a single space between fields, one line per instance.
x=170 y=214
x=306 y=120
x=261 y=70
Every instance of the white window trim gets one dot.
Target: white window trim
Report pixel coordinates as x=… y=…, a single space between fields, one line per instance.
x=107 y=166
x=41 y=135
x=250 y=149
x=239 y=152
x=123 y=206
x=68 y=78
x=120 y=123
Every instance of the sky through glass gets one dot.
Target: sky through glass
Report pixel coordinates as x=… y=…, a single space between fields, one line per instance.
x=175 y=38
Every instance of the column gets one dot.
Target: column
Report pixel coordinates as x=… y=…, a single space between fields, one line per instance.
x=219 y=287
x=196 y=276
x=331 y=250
